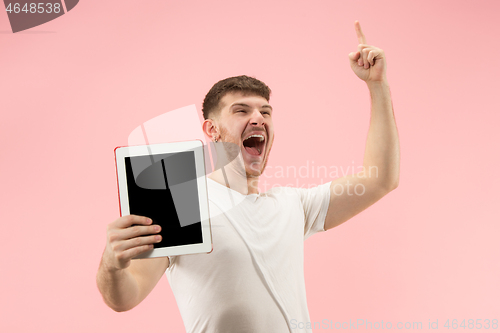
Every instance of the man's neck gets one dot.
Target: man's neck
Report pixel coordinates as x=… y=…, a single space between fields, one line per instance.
x=235 y=181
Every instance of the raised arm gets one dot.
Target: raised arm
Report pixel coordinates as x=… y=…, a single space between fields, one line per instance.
x=352 y=194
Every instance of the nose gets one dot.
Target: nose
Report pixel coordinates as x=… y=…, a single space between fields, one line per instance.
x=257 y=119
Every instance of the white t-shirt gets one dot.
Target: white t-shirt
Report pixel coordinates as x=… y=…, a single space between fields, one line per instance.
x=253 y=281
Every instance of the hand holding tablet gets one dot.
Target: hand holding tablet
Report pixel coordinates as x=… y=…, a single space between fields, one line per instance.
x=128 y=237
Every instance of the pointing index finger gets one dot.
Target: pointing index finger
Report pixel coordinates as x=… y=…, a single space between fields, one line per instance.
x=359 y=33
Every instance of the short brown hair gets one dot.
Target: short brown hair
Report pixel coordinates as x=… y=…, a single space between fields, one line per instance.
x=244 y=84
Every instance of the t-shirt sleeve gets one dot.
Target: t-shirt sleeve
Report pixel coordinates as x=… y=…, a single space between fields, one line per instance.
x=315 y=201
x=171 y=260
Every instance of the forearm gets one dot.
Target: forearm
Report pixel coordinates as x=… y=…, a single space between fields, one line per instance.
x=382 y=144
x=118 y=288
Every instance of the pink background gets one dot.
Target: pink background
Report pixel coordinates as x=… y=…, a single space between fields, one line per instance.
x=73 y=89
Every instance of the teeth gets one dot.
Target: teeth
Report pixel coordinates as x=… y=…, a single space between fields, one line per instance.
x=256 y=136
x=258 y=150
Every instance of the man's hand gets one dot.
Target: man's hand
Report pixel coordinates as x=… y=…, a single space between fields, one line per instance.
x=122 y=282
x=126 y=239
x=368 y=62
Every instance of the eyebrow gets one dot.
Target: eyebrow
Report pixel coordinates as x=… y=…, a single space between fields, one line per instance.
x=246 y=105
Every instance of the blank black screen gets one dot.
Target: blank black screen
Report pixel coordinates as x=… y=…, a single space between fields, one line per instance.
x=157 y=187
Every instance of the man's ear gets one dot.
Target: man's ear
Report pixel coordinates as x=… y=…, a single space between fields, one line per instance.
x=210 y=129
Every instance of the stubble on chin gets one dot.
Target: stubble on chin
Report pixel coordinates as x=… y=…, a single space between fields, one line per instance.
x=255 y=172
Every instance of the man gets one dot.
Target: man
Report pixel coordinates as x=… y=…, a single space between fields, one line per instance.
x=253 y=280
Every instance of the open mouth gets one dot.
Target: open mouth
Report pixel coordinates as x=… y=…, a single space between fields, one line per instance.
x=254 y=144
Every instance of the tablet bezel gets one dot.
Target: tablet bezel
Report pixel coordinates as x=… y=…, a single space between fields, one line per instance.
x=195 y=146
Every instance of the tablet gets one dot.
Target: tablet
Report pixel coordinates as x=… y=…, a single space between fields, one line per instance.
x=167 y=183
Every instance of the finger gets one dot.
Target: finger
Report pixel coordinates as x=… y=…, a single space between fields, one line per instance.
x=137 y=231
x=117 y=235
x=359 y=33
x=365 y=53
x=354 y=56
x=372 y=55
x=360 y=50
x=133 y=252
x=128 y=244
x=361 y=47
x=128 y=220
